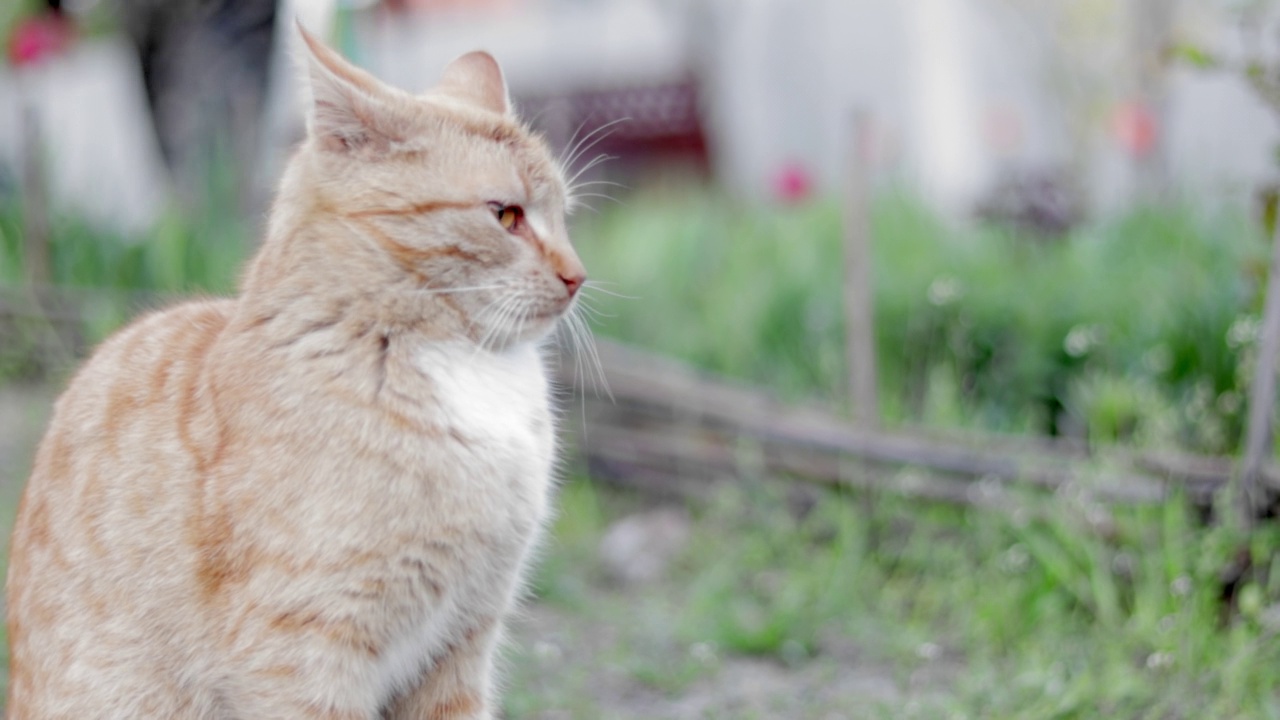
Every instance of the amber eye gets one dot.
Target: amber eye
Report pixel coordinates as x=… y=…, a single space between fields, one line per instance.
x=508 y=215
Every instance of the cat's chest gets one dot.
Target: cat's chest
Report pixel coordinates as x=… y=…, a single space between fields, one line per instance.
x=492 y=403
x=486 y=507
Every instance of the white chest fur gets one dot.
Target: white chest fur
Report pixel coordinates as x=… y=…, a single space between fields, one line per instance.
x=498 y=404
x=495 y=396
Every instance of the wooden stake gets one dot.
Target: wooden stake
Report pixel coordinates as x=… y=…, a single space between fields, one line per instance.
x=859 y=303
x=35 y=208
x=1249 y=496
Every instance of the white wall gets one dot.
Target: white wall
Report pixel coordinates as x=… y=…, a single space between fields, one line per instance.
x=98 y=147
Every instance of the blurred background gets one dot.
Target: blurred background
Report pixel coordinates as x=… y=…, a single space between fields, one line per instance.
x=933 y=364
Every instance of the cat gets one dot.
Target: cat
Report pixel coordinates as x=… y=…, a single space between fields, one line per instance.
x=317 y=499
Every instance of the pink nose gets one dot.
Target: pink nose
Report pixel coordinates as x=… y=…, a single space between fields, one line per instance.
x=573 y=282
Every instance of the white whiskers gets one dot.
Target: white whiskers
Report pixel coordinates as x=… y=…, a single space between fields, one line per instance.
x=441 y=291
x=579 y=148
x=577 y=324
x=498 y=315
x=584 y=144
x=598 y=286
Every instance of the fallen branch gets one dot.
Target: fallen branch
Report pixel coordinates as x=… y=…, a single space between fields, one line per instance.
x=671 y=419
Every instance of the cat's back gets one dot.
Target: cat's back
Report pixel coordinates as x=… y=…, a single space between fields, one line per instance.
x=109 y=473
x=118 y=428
x=131 y=389
x=137 y=370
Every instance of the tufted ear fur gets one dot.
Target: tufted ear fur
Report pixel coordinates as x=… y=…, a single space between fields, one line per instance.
x=475 y=78
x=350 y=110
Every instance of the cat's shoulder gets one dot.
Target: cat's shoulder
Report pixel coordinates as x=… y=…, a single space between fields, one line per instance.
x=170 y=337
x=188 y=321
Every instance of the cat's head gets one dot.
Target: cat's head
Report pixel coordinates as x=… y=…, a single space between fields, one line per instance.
x=441 y=207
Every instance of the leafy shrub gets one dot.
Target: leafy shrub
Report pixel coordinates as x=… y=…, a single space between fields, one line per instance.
x=1160 y=296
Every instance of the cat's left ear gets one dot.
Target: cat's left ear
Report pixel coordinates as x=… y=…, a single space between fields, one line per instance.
x=350 y=109
x=476 y=78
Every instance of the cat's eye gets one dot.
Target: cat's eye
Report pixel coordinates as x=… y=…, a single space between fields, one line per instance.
x=508 y=215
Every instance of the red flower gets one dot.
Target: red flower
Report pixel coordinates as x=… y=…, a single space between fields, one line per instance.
x=1135 y=126
x=38 y=37
x=792 y=183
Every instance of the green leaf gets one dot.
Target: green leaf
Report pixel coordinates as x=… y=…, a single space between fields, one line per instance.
x=1195 y=56
x=1269 y=199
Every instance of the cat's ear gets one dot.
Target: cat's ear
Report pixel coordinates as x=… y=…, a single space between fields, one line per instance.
x=350 y=109
x=476 y=78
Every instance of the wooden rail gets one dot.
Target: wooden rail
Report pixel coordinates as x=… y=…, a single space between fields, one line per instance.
x=670 y=426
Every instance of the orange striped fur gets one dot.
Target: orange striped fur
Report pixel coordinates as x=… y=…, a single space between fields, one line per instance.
x=317 y=499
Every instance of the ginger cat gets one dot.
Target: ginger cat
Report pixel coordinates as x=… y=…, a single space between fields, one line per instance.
x=315 y=500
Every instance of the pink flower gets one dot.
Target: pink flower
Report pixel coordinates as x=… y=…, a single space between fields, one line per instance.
x=38 y=37
x=1135 y=126
x=792 y=183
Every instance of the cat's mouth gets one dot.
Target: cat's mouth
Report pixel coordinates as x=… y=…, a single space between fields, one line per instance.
x=550 y=315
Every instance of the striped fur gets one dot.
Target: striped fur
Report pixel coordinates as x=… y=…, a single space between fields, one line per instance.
x=317 y=499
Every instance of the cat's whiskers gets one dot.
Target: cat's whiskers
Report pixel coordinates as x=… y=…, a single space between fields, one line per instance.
x=577 y=199
x=600 y=159
x=579 y=372
x=572 y=184
x=491 y=311
x=595 y=313
x=598 y=286
x=577 y=150
x=573 y=137
x=567 y=339
x=441 y=291
x=573 y=190
x=501 y=318
x=582 y=146
x=521 y=316
x=584 y=339
x=610 y=183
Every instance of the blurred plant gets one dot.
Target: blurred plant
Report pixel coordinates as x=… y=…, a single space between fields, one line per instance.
x=1038 y=203
x=99 y=280
x=1006 y=329
x=1043 y=611
x=774 y=589
x=1124 y=409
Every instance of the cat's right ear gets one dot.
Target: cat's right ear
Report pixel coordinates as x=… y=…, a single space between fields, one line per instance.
x=349 y=109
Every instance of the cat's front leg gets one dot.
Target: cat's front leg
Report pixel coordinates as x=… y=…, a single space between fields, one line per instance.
x=457 y=687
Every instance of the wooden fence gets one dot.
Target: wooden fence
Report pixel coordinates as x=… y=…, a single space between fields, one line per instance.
x=670 y=428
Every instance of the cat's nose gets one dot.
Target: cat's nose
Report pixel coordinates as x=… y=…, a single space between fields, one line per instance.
x=573 y=281
x=569 y=269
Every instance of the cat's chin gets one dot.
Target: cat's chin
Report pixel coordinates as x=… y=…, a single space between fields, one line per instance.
x=536 y=329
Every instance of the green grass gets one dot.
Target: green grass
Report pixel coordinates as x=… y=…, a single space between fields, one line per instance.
x=973 y=324
x=110 y=278
x=1046 y=618
x=182 y=255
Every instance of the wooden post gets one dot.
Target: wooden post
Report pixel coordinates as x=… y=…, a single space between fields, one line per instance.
x=859 y=295
x=1249 y=494
x=35 y=208
x=1150 y=24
